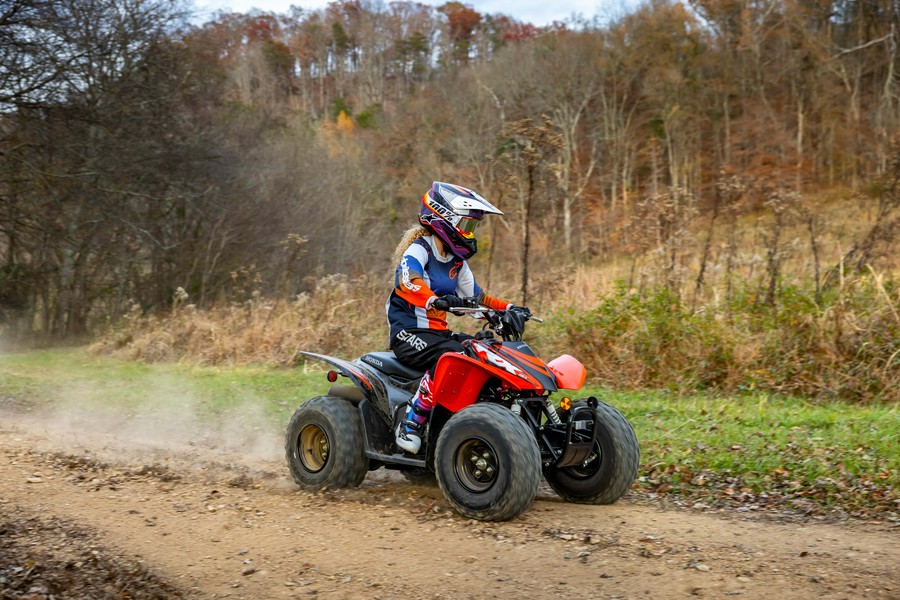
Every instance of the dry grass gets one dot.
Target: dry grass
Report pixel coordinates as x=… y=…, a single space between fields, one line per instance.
x=336 y=317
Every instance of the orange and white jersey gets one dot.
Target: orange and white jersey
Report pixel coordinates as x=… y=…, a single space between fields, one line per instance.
x=423 y=275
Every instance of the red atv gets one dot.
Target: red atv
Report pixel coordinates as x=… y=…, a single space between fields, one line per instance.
x=492 y=432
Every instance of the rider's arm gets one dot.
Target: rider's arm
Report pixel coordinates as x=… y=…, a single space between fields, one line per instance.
x=491 y=302
x=410 y=285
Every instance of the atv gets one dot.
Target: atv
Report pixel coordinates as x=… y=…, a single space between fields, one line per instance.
x=493 y=431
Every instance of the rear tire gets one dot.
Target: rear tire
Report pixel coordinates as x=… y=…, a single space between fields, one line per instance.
x=487 y=463
x=324 y=445
x=611 y=469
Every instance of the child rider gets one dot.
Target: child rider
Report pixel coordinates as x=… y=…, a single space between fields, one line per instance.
x=433 y=277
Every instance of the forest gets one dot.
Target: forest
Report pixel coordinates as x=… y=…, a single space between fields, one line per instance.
x=704 y=194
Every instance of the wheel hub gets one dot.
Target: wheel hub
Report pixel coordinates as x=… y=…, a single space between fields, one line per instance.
x=313 y=448
x=476 y=465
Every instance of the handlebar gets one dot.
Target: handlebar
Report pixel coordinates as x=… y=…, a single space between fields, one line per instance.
x=508 y=323
x=484 y=309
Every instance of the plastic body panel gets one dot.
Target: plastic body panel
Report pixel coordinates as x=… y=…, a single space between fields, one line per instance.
x=568 y=372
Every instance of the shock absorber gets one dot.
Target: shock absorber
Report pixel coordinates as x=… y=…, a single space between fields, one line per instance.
x=551 y=411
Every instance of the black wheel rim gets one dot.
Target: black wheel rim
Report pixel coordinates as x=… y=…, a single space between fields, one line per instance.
x=476 y=465
x=313 y=447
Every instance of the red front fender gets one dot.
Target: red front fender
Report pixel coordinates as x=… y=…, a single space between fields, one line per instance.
x=458 y=380
x=568 y=371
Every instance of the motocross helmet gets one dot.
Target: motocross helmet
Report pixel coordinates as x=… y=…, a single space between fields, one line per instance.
x=452 y=212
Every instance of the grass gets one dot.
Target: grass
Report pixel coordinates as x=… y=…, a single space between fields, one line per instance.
x=753 y=451
x=762 y=449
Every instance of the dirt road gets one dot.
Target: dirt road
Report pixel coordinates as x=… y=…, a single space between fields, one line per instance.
x=196 y=517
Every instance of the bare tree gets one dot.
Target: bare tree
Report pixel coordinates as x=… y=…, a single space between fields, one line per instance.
x=529 y=149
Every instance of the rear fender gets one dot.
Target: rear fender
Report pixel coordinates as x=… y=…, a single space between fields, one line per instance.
x=568 y=371
x=348 y=392
x=369 y=385
x=379 y=437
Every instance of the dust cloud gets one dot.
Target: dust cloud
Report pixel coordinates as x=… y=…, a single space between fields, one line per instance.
x=170 y=424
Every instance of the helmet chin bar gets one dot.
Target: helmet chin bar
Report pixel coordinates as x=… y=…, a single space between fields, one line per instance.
x=454 y=243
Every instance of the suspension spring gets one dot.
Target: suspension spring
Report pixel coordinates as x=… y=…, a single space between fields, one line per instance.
x=551 y=411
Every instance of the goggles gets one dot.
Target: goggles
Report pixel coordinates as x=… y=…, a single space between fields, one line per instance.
x=467 y=225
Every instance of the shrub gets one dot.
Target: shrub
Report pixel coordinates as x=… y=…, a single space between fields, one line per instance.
x=336 y=317
x=847 y=346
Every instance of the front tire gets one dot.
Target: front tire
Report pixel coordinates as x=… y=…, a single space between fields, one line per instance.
x=487 y=463
x=324 y=445
x=609 y=471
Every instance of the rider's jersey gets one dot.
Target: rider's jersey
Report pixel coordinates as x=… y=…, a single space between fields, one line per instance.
x=421 y=275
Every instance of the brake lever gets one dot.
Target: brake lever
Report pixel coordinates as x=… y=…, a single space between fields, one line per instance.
x=465 y=310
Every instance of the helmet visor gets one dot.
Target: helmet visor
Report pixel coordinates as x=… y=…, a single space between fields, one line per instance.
x=467 y=225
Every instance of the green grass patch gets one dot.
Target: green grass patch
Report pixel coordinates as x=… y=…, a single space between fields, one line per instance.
x=73 y=376
x=751 y=452
x=760 y=450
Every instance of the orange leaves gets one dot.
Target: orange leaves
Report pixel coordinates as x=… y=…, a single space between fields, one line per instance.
x=344 y=124
x=462 y=20
x=262 y=28
x=338 y=137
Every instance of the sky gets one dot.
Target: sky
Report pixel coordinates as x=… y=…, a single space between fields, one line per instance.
x=537 y=12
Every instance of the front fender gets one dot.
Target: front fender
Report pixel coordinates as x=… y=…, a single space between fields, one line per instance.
x=568 y=372
x=458 y=380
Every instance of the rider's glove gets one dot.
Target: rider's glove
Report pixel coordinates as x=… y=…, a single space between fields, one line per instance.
x=449 y=302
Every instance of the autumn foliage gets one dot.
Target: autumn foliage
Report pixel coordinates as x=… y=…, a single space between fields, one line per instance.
x=735 y=162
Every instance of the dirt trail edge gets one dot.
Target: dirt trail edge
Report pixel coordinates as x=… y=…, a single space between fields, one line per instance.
x=204 y=522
